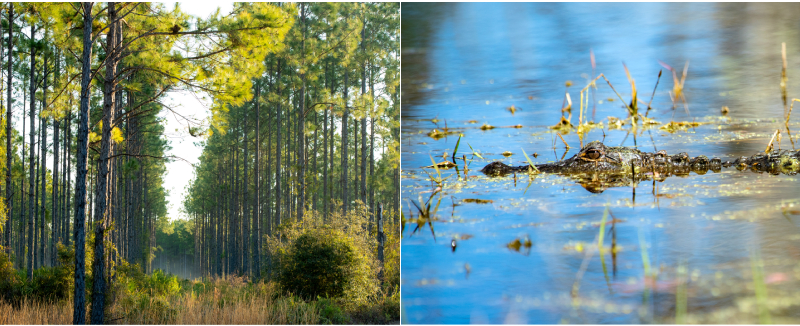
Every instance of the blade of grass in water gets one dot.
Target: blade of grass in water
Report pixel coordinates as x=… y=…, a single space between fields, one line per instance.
x=602 y=232
x=757 y=266
x=646 y=264
x=645 y=258
x=681 y=296
x=435 y=167
x=473 y=151
x=456 y=150
x=530 y=162
x=600 y=237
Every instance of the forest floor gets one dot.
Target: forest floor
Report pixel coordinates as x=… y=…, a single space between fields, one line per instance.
x=216 y=301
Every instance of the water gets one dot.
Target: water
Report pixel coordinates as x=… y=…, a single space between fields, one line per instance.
x=465 y=64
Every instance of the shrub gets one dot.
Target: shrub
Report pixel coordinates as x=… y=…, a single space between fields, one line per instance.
x=330 y=313
x=391 y=265
x=51 y=283
x=10 y=281
x=48 y=283
x=321 y=262
x=160 y=283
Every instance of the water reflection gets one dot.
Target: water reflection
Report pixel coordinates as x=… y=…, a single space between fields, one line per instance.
x=464 y=65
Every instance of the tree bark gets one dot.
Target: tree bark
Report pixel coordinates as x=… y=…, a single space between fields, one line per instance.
x=256 y=199
x=56 y=216
x=43 y=165
x=37 y=224
x=31 y=210
x=101 y=214
x=79 y=308
x=43 y=169
x=301 y=124
x=325 y=153
x=345 y=117
x=9 y=151
x=278 y=148
x=363 y=194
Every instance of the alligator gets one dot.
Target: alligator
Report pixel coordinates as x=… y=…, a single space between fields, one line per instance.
x=597 y=166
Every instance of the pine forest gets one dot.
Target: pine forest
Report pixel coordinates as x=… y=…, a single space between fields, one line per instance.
x=292 y=215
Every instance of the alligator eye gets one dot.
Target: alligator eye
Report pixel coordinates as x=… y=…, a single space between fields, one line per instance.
x=593 y=154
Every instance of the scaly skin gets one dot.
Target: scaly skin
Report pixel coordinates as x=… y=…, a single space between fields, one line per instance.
x=598 y=167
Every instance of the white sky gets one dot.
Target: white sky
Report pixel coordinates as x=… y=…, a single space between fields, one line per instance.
x=180 y=173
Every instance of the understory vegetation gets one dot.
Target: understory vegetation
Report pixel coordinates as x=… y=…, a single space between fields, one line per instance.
x=294 y=289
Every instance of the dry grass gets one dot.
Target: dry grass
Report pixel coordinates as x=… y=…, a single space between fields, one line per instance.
x=35 y=313
x=187 y=309
x=253 y=311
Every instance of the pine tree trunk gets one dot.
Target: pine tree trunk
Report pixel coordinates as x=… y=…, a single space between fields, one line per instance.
x=269 y=171
x=9 y=151
x=372 y=150
x=332 y=149
x=42 y=169
x=56 y=214
x=31 y=211
x=345 y=117
x=325 y=197
x=363 y=120
x=67 y=162
x=245 y=208
x=229 y=249
x=270 y=188
x=314 y=164
x=256 y=199
x=79 y=308
x=218 y=226
x=278 y=147
x=37 y=233
x=101 y=212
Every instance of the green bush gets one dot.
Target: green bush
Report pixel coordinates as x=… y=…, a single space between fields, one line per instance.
x=48 y=283
x=51 y=283
x=391 y=265
x=300 y=255
x=10 y=281
x=330 y=313
x=321 y=262
x=160 y=283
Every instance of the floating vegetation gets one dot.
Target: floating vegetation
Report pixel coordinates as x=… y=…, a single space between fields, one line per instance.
x=588 y=126
x=478 y=201
x=507 y=153
x=563 y=125
x=674 y=126
x=615 y=123
x=512 y=109
x=442 y=165
x=437 y=134
x=487 y=126
x=518 y=243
